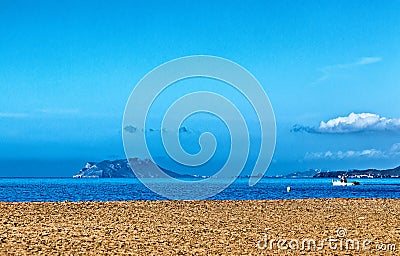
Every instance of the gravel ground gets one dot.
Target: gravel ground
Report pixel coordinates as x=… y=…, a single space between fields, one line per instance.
x=202 y=227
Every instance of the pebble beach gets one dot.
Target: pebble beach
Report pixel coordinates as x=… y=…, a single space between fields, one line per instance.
x=202 y=227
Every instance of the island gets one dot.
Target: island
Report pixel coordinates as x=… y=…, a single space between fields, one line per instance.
x=360 y=174
x=146 y=168
x=122 y=168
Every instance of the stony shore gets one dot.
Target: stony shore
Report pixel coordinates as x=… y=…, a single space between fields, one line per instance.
x=202 y=227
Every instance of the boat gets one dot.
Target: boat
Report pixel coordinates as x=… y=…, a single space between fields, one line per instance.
x=343 y=182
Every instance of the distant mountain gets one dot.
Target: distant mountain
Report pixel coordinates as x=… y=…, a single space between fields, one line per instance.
x=306 y=174
x=148 y=169
x=369 y=173
x=122 y=169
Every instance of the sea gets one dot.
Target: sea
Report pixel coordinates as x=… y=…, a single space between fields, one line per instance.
x=68 y=189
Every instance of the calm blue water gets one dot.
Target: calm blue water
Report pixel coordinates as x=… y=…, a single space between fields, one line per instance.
x=28 y=190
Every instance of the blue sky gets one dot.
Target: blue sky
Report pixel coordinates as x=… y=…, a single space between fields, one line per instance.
x=67 y=69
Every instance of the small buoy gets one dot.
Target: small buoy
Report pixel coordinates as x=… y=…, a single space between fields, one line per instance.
x=288 y=189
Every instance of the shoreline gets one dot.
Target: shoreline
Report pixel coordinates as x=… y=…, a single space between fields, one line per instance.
x=231 y=227
x=198 y=201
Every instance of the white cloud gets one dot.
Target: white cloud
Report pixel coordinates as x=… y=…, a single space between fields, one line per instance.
x=395 y=147
x=12 y=115
x=393 y=152
x=35 y=113
x=328 y=71
x=353 y=123
x=368 y=60
x=58 y=111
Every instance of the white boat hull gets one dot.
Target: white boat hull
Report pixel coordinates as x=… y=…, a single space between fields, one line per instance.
x=339 y=183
